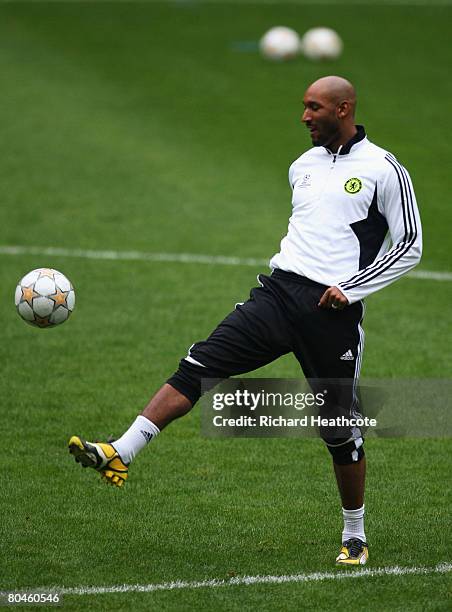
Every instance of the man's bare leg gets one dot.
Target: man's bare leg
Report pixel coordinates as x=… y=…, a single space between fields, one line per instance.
x=351 y=482
x=166 y=405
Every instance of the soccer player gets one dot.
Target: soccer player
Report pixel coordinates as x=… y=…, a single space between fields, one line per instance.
x=354 y=229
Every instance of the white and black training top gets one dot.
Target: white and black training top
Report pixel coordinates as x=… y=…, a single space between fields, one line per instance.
x=355 y=223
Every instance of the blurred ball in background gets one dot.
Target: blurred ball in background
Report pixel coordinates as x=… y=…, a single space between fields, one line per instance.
x=321 y=44
x=280 y=44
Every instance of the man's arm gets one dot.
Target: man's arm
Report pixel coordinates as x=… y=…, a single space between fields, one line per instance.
x=398 y=204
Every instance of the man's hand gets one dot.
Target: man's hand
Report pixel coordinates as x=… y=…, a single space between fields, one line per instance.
x=333 y=298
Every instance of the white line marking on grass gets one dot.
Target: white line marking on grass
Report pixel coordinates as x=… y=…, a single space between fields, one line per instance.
x=351 y=574
x=429 y=275
x=134 y=256
x=189 y=258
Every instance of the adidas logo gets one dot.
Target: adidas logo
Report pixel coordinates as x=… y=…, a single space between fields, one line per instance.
x=147 y=435
x=348 y=356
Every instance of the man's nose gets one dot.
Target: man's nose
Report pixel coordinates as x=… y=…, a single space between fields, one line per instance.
x=305 y=116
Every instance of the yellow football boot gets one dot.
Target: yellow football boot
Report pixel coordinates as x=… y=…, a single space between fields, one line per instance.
x=102 y=457
x=353 y=552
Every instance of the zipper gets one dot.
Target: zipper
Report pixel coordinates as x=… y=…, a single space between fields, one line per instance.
x=335 y=157
x=330 y=170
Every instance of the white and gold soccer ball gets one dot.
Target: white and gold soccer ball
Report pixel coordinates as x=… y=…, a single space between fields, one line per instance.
x=280 y=44
x=321 y=44
x=44 y=297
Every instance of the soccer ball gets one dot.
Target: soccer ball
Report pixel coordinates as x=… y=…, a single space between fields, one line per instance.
x=44 y=297
x=321 y=44
x=280 y=44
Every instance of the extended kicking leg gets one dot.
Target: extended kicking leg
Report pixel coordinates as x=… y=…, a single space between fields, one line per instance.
x=250 y=337
x=112 y=459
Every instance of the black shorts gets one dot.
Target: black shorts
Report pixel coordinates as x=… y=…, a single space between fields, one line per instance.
x=281 y=316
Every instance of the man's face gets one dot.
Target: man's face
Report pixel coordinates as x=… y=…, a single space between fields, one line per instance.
x=320 y=117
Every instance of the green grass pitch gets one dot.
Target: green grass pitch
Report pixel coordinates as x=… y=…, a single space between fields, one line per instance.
x=154 y=127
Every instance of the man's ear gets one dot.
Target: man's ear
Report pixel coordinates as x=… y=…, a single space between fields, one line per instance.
x=343 y=109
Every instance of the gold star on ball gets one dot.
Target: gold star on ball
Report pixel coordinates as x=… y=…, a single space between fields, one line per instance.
x=28 y=293
x=59 y=297
x=46 y=272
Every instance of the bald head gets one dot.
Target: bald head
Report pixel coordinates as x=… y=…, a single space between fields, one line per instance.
x=329 y=113
x=335 y=89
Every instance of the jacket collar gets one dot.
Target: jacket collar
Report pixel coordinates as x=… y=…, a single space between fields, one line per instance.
x=358 y=137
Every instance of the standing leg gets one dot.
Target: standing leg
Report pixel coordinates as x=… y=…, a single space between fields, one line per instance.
x=330 y=352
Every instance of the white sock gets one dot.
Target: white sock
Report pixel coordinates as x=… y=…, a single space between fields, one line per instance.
x=140 y=433
x=353 y=524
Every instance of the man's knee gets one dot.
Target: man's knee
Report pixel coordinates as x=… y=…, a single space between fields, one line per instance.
x=345 y=452
x=188 y=377
x=187 y=380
